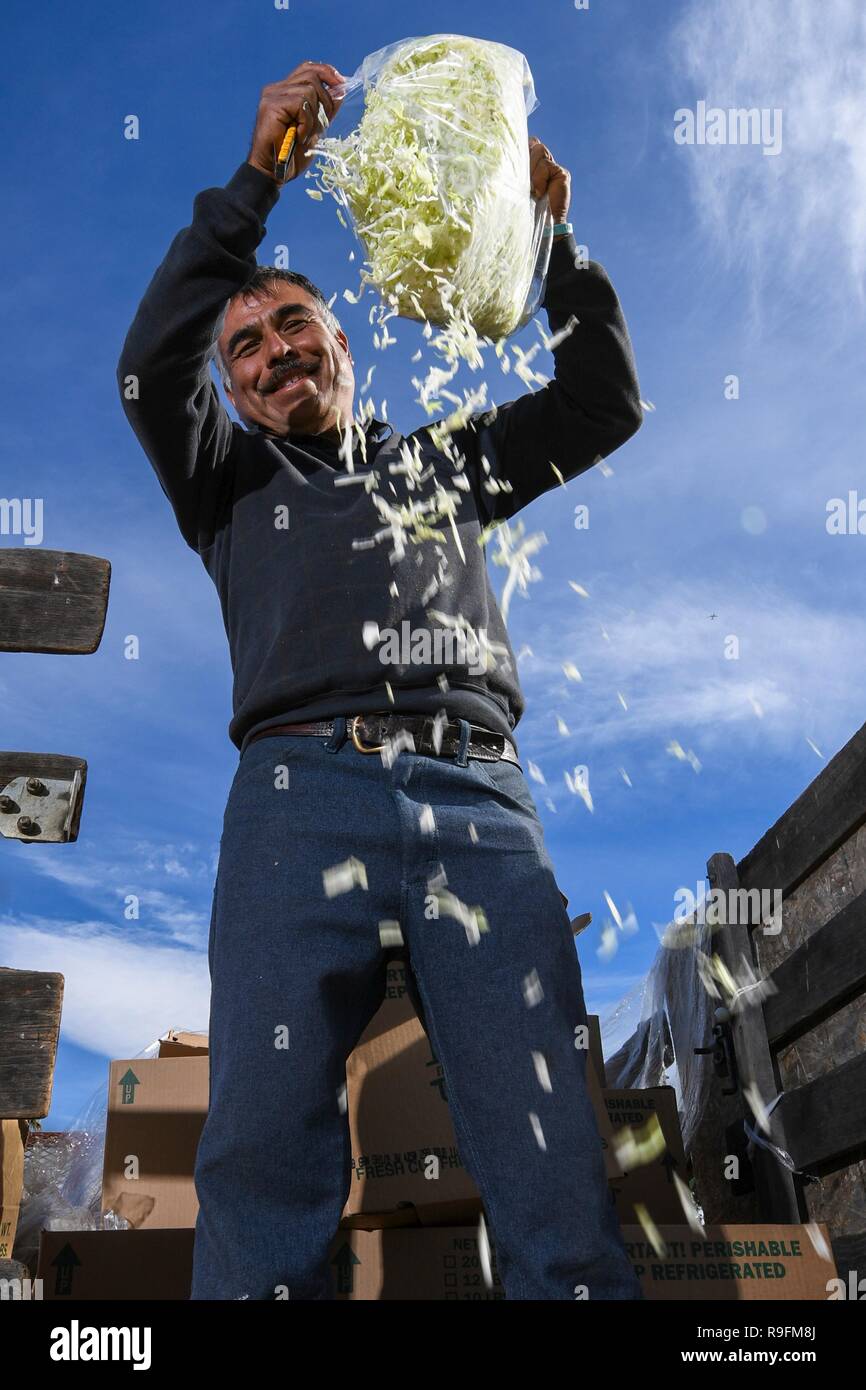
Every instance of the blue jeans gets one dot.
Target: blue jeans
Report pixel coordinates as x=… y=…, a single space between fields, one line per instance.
x=273 y=1167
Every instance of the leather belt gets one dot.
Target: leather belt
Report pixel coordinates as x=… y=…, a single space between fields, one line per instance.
x=369 y=731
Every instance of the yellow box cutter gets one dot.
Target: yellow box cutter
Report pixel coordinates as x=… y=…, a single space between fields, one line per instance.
x=287 y=148
x=286 y=151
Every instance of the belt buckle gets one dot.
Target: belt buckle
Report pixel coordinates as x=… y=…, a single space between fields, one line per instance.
x=362 y=747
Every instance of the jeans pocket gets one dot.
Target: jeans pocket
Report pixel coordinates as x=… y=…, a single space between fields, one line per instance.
x=265 y=757
x=499 y=773
x=507 y=780
x=482 y=767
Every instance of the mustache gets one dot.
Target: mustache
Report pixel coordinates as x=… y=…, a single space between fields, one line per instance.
x=280 y=373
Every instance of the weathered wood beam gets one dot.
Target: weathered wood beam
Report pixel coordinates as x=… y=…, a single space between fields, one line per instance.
x=828 y=812
x=30 y=1006
x=52 y=600
x=826 y=1118
x=827 y=971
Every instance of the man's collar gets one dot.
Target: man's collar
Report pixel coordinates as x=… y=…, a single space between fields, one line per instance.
x=378 y=430
x=375 y=430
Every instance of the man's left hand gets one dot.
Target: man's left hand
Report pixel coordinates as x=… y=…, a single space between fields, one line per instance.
x=546 y=176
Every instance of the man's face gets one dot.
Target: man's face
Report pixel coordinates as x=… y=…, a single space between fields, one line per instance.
x=289 y=373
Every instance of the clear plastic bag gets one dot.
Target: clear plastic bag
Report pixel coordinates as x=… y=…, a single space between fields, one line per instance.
x=433 y=173
x=649 y=1037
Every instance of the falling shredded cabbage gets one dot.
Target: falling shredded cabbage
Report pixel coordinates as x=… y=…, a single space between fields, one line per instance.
x=435 y=176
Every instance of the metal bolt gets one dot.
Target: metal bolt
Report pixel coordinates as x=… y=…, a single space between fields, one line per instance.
x=35 y=787
x=7 y=804
x=28 y=826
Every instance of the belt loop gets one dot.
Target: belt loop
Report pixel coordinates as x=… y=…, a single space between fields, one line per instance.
x=338 y=737
x=465 y=735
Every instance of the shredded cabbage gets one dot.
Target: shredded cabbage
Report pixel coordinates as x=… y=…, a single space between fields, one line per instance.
x=436 y=178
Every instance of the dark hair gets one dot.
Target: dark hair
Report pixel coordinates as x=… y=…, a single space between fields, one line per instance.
x=265 y=277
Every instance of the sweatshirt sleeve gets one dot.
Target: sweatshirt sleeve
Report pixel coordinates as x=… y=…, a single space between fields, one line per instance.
x=163 y=374
x=590 y=408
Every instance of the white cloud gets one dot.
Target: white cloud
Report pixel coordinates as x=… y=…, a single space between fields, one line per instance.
x=125 y=867
x=808 y=60
x=118 y=995
x=176 y=869
x=666 y=656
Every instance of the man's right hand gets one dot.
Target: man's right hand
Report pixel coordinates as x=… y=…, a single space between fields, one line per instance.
x=294 y=101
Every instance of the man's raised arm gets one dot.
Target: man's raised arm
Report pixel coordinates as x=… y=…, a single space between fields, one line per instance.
x=163 y=375
x=591 y=407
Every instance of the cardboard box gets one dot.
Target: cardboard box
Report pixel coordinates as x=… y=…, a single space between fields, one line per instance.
x=396 y=1007
x=654 y=1190
x=651 y=1185
x=13 y=1137
x=177 y=1044
x=636 y=1107
x=731 y=1263
x=115 y=1264
x=436 y=1263
x=399 y=1118
x=398 y=1114
x=445 y=1263
x=156 y=1111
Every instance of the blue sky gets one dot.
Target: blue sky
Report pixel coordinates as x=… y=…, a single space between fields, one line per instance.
x=726 y=261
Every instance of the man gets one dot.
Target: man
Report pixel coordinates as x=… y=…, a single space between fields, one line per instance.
x=376 y=800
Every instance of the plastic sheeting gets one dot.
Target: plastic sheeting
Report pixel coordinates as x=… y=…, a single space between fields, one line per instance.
x=649 y=1037
x=434 y=176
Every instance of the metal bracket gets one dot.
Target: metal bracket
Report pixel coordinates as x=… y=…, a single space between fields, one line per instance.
x=41 y=808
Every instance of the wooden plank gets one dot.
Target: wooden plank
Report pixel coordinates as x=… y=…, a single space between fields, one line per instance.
x=60 y=765
x=30 y=1006
x=826 y=1118
x=827 y=971
x=53 y=767
x=777 y=1195
x=830 y=810
x=52 y=600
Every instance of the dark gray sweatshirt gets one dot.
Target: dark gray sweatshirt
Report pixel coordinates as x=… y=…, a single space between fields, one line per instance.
x=317 y=625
